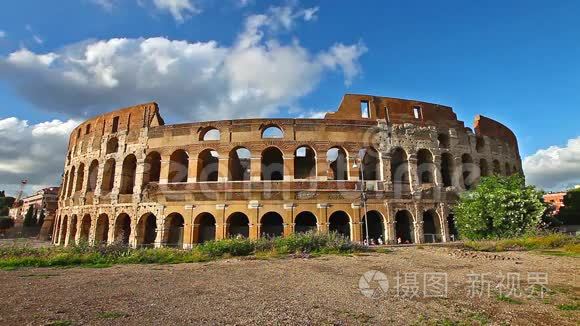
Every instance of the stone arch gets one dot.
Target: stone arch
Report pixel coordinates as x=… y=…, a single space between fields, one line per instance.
x=453 y=234
x=85 y=228
x=304 y=162
x=304 y=222
x=468 y=171
x=128 y=174
x=272 y=164
x=272 y=225
x=108 y=176
x=80 y=177
x=239 y=163
x=152 y=168
x=483 y=167
x=73 y=229
x=404 y=229
x=447 y=169
x=376 y=226
x=507 y=169
x=431 y=226
x=112 y=145
x=70 y=186
x=514 y=170
x=207 y=165
x=64 y=185
x=425 y=166
x=92 y=176
x=209 y=133
x=102 y=230
x=479 y=144
x=399 y=167
x=371 y=164
x=63 y=230
x=122 y=228
x=147 y=230
x=238 y=224
x=205 y=223
x=443 y=140
x=338 y=161
x=174 y=226
x=272 y=131
x=496 y=167
x=339 y=222
x=178 y=166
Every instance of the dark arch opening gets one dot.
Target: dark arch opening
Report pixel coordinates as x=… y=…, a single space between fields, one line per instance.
x=304 y=163
x=338 y=160
x=468 y=173
x=102 y=231
x=239 y=164
x=206 y=227
x=85 y=228
x=207 y=166
x=128 y=174
x=70 y=186
x=147 y=230
x=399 y=167
x=238 y=225
x=123 y=228
x=92 y=178
x=483 y=168
x=404 y=227
x=112 y=145
x=376 y=227
x=431 y=227
x=304 y=222
x=80 y=177
x=447 y=169
x=108 y=176
x=507 y=169
x=496 y=167
x=339 y=222
x=452 y=228
x=152 y=168
x=63 y=230
x=178 y=166
x=174 y=230
x=272 y=225
x=272 y=164
x=443 y=140
x=425 y=166
x=73 y=230
x=371 y=164
x=479 y=144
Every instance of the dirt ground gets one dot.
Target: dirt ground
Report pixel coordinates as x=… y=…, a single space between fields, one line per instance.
x=323 y=290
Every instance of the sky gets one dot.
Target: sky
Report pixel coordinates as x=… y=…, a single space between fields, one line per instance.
x=63 y=61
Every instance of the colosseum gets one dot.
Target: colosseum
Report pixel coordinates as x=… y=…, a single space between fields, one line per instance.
x=378 y=167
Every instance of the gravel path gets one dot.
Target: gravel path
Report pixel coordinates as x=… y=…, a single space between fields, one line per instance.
x=288 y=291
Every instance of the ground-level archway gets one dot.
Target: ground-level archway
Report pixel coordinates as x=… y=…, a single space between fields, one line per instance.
x=453 y=234
x=205 y=227
x=272 y=225
x=431 y=227
x=73 y=230
x=147 y=230
x=174 y=230
x=102 y=230
x=404 y=227
x=339 y=222
x=305 y=222
x=376 y=227
x=122 y=229
x=85 y=228
x=238 y=225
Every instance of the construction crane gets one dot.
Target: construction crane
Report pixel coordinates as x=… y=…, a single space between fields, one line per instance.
x=20 y=192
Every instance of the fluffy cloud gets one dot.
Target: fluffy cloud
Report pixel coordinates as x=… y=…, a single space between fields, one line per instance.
x=554 y=168
x=179 y=9
x=35 y=152
x=2 y=34
x=194 y=80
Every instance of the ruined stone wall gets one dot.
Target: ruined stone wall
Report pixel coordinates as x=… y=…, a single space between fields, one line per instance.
x=156 y=184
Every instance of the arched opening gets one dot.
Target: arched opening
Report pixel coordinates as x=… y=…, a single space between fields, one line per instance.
x=73 y=230
x=452 y=228
x=468 y=171
x=123 y=229
x=425 y=166
x=63 y=230
x=404 y=227
x=447 y=169
x=431 y=226
x=206 y=227
x=479 y=144
x=304 y=222
x=85 y=228
x=92 y=177
x=338 y=160
x=339 y=222
x=207 y=165
x=174 y=230
x=209 y=133
x=80 y=177
x=128 y=174
x=272 y=164
x=443 y=140
x=70 y=186
x=152 y=168
x=399 y=167
x=147 y=230
x=304 y=163
x=483 y=168
x=496 y=167
x=507 y=169
x=64 y=189
x=238 y=225
x=514 y=170
x=272 y=131
x=178 y=166
x=376 y=227
x=108 y=176
x=102 y=230
x=272 y=225
x=112 y=145
x=239 y=164
x=371 y=164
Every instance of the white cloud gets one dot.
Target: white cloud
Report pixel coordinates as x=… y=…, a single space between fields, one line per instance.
x=34 y=152
x=195 y=80
x=554 y=168
x=2 y=34
x=179 y=9
x=107 y=5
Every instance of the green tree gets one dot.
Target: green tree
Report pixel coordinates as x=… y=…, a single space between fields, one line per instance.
x=5 y=223
x=570 y=213
x=29 y=218
x=499 y=207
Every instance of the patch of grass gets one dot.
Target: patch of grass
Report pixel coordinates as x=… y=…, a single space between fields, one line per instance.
x=383 y=250
x=111 y=314
x=505 y=298
x=569 y=307
x=480 y=317
x=566 y=243
x=60 y=323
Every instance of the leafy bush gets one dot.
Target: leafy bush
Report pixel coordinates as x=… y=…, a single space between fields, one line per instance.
x=549 y=241
x=499 y=207
x=6 y=223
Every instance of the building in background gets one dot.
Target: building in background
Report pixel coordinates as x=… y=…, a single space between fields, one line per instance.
x=556 y=200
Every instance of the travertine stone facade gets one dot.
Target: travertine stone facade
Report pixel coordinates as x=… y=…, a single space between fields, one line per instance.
x=129 y=177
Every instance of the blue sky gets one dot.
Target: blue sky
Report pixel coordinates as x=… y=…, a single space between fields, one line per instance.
x=515 y=61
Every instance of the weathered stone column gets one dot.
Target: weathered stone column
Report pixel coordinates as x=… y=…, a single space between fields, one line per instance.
x=255 y=168
x=138 y=186
x=133 y=235
x=255 y=229
x=93 y=229
x=390 y=236
x=356 y=226
x=111 y=233
x=322 y=167
x=223 y=169
x=387 y=176
x=289 y=219
x=164 y=171
x=288 y=167
x=418 y=228
x=192 y=170
x=413 y=174
x=160 y=231
x=437 y=177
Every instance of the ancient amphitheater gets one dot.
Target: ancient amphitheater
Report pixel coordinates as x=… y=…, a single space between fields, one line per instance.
x=129 y=177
